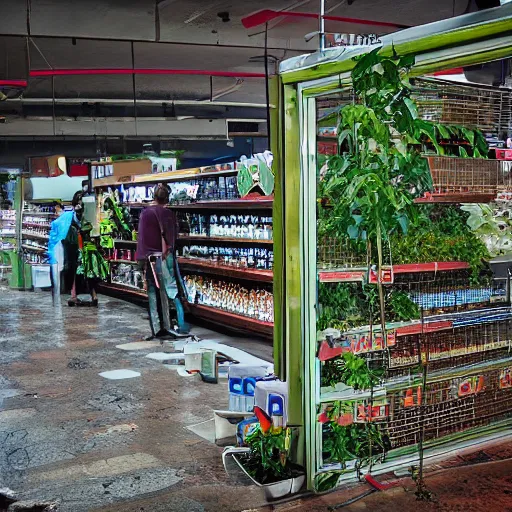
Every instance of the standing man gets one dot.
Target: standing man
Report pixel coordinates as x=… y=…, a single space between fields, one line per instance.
x=155 y=253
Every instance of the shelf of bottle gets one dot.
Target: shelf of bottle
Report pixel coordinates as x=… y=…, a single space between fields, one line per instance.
x=357 y=274
x=231 y=204
x=209 y=267
x=34 y=249
x=220 y=239
x=35 y=225
x=7 y=235
x=233 y=320
x=34 y=235
x=125 y=288
x=456 y=197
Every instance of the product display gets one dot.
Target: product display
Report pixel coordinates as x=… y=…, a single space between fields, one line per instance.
x=251 y=227
x=35 y=231
x=219 y=234
x=253 y=303
x=240 y=257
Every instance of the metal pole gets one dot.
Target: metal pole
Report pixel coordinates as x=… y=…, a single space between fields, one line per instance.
x=322 y=25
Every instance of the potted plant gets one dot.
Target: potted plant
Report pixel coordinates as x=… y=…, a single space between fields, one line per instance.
x=266 y=458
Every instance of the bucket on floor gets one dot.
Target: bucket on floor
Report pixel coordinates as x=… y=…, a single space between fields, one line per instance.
x=41 y=276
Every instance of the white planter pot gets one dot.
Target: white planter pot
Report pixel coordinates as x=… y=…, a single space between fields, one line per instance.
x=274 y=490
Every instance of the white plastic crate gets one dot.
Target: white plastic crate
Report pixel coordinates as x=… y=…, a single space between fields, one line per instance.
x=41 y=276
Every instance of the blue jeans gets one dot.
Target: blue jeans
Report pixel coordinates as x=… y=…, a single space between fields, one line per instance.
x=160 y=294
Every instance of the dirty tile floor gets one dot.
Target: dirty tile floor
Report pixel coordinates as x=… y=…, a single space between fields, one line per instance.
x=90 y=443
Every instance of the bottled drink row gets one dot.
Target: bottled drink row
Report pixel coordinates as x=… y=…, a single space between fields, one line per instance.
x=120 y=254
x=40 y=232
x=251 y=227
x=33 y=257
x=244 y=257
x=42 y=221
x=254 y=303
x=127 y=275
x=8 y=215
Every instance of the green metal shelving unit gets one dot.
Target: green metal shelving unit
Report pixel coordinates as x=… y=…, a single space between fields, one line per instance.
x=470 y=39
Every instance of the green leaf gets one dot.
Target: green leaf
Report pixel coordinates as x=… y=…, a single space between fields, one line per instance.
x=411 y=106
x=443 y=131
x=462 y=152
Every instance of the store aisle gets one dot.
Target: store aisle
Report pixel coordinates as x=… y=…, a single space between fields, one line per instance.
x=91 y=443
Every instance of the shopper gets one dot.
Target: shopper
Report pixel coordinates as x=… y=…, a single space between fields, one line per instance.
x=90 y=263
x=63 y=251
x=155 y=252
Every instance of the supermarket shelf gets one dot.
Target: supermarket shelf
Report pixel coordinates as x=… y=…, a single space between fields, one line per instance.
x=131 y=290
x=35 y=235
x=226 y=318
x=208 y=267
x=38 y=213
x=132 y=262
x=455 y=198
x=35 y=225
x=8 y=235
x=357 y=274
x=232 y=204
x=220 y=239
x=339 y=276
x=34 y=249
x=179 y=175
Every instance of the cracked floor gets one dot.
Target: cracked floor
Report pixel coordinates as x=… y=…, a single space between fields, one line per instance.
x=69 y=436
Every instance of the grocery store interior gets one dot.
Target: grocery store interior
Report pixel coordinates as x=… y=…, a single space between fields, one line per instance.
x=255 y=258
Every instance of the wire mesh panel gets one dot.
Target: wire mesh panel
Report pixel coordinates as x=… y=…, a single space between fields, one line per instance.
x=336 y=254
x=470 y=175
x=488 y=109
x=449 y=406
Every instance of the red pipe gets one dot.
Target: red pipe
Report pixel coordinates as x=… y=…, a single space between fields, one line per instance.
x=454 y=71
x=129 y=71
x=266 y=15
x=13 y=83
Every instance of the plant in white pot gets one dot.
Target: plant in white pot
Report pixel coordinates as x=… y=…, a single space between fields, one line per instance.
x=266 y=459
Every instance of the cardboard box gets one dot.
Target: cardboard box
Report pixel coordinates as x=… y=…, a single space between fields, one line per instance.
x=120 y=169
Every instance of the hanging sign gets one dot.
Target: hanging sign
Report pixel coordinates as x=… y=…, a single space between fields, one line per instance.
x=332 y=40
x=255 y=172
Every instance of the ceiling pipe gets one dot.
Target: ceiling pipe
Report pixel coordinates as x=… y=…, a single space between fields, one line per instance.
x=13 y=83
x=124 y=101
x=39 y=73
x=266 y=15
